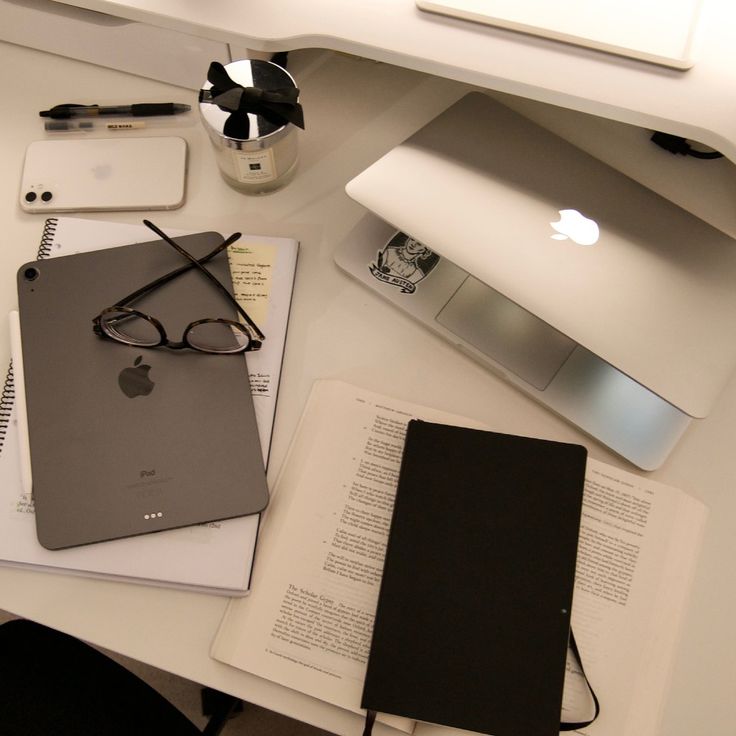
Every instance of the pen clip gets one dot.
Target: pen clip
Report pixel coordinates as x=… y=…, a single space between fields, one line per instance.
x=61 y=112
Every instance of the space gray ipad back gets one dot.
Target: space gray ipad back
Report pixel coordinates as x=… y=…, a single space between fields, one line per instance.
x=181 y=447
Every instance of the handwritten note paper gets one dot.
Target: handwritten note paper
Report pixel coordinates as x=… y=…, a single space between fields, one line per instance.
x=251 y=268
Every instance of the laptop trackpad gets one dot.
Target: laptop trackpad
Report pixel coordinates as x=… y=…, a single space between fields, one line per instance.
x=505 y=332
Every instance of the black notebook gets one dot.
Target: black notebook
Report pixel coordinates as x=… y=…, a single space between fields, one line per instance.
x=473 y=616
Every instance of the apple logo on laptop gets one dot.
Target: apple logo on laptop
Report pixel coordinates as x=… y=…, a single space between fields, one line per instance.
x=580 y=229
x=134 y=380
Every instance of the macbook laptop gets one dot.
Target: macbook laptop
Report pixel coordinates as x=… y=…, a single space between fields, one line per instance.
x=608 y=303
x=125 y=440
x=659 y=31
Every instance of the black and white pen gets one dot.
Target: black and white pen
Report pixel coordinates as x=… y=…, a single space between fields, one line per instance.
x=144 y=109
x=54 y=126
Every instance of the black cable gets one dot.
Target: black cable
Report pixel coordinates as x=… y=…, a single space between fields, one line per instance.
x=281 y=58
x=676 y=144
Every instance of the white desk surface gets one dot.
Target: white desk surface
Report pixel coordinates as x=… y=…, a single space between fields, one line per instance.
x=355 y=110
x=697 y=104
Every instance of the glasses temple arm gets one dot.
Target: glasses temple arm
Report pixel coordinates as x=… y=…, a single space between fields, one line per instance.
x=195 y=263
x=170 y=276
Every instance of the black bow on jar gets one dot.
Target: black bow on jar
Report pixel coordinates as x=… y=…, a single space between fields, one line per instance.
x=278 y=106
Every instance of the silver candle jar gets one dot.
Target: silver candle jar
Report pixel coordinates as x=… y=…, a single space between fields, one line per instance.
x=251 y=114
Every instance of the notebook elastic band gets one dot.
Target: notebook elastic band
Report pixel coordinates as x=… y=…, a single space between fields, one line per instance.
x=370 y=716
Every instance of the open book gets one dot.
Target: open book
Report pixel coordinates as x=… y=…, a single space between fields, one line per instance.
x=215 y=557
x=307 y=623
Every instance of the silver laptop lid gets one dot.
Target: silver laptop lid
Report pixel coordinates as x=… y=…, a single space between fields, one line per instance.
x=125 y=440
x=633 y=278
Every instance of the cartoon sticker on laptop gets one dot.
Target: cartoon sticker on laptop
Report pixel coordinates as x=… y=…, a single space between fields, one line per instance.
x=403 y=262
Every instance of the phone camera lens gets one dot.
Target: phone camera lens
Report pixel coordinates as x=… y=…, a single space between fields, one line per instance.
x=30 y=196
x=31 y=273
x=46 y=196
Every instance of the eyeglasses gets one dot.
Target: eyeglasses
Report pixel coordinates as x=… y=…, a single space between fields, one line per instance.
x=217 y=336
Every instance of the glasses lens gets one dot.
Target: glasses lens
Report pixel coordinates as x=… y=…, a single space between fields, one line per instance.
x=218 y=336
x=130 y=327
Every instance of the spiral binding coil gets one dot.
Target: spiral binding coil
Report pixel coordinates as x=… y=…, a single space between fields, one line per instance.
x=47 y=239
x=6 y=404
x=8 y=395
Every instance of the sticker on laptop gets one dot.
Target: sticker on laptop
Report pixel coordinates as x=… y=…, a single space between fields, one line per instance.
x=403 y=262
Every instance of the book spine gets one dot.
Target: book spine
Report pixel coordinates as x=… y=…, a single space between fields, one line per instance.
x=8 y=395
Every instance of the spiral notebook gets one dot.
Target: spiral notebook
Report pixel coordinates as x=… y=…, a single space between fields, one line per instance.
x=216 y=557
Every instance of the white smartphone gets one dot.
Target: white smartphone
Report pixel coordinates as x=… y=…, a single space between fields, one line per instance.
x=99 y=174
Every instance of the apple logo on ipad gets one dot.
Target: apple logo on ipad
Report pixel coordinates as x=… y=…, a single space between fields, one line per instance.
x=575 y=226
x=134 y=380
